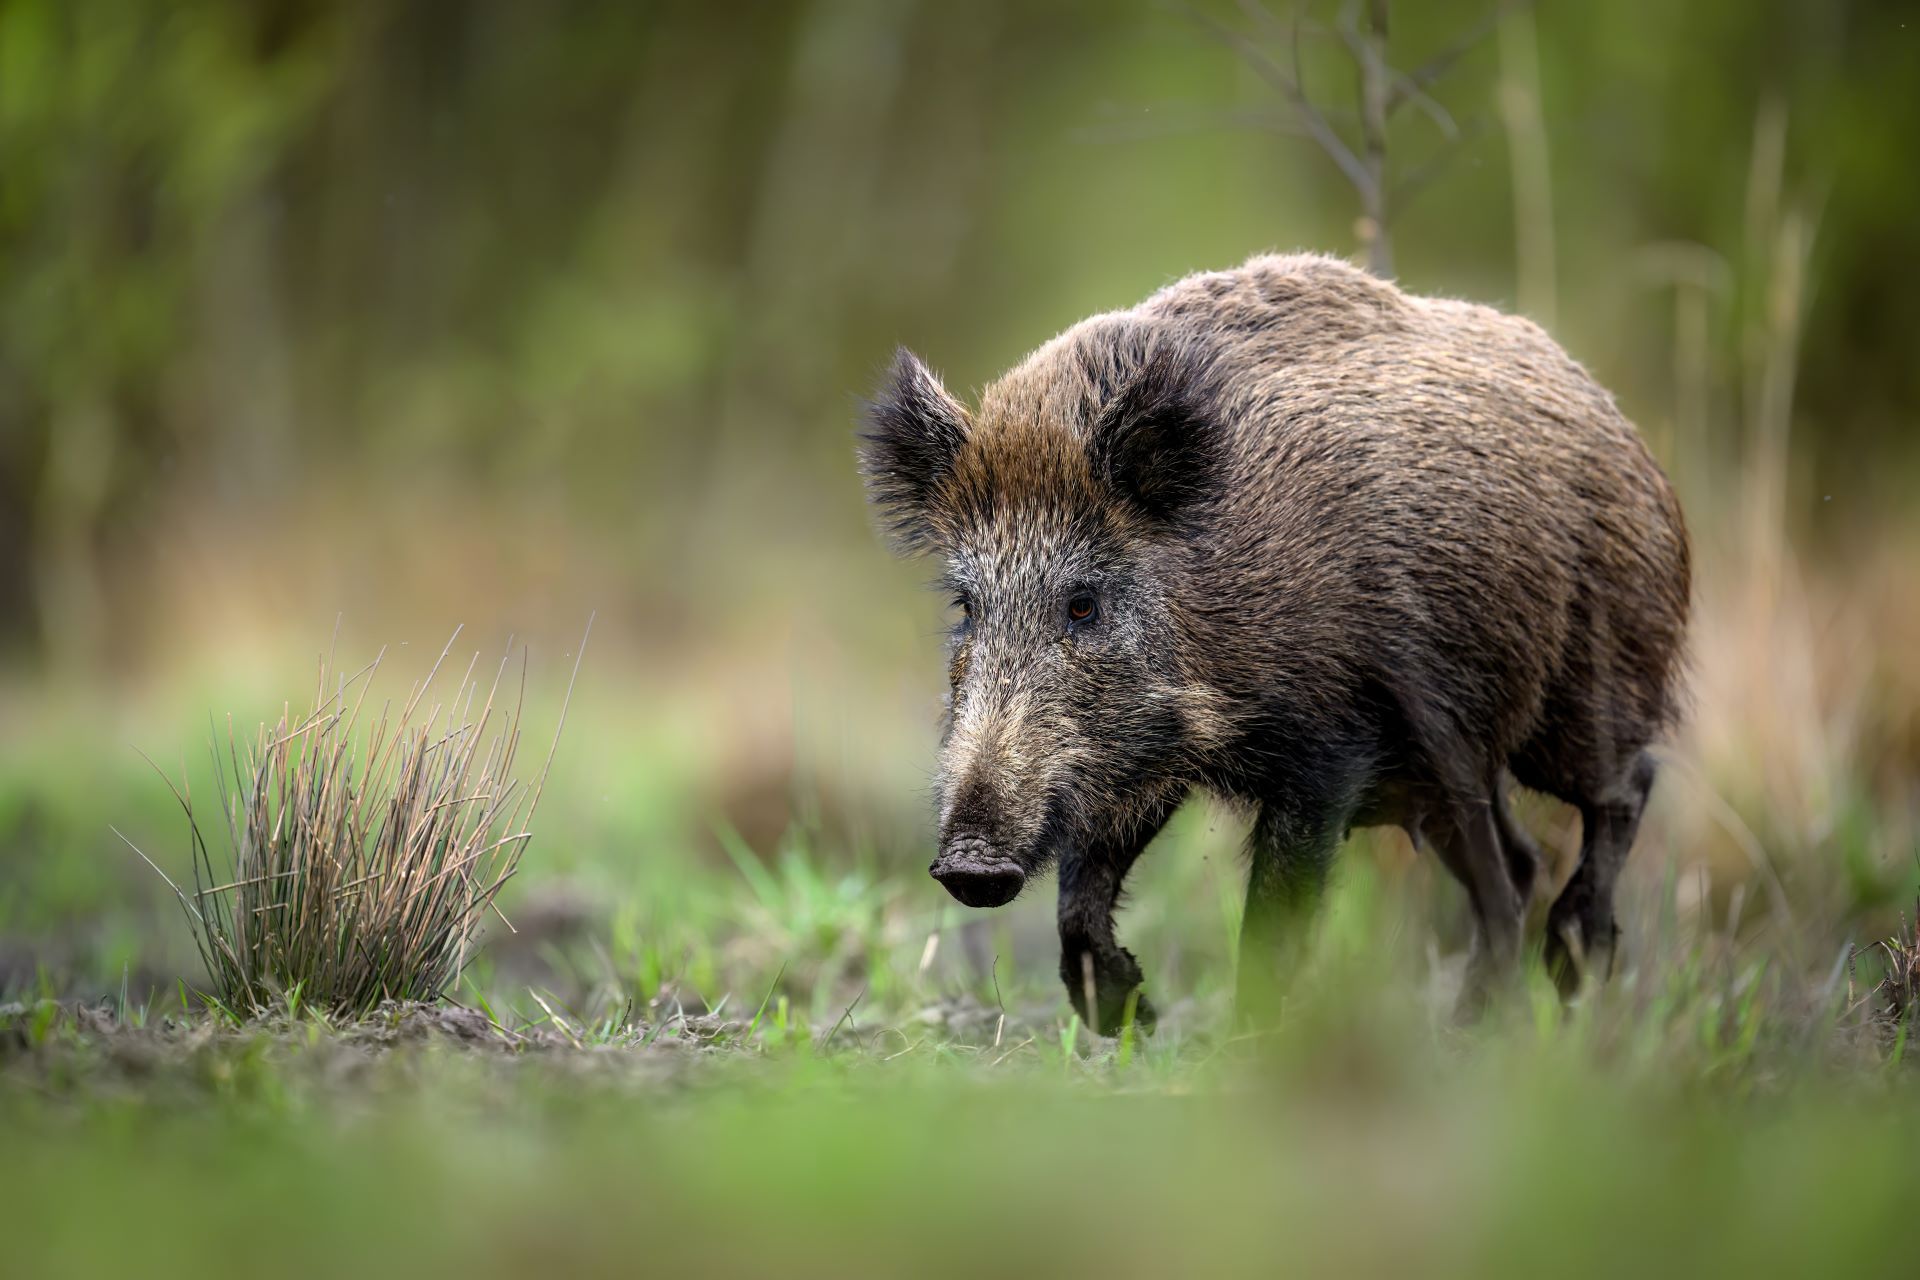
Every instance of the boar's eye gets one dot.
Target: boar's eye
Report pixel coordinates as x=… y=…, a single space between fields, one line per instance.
x=1082 y=607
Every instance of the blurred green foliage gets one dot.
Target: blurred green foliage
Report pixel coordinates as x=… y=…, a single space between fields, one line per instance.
x=447 y=1168
x=630 y=262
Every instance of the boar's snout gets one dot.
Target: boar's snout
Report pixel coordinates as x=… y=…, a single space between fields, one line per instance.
x=976 y=875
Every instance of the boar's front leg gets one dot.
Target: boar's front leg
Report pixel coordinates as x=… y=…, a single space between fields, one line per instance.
x=1092 y=961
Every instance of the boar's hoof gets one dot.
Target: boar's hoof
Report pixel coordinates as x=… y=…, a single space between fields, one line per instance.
x=1111 y=1016
x=977 y=879
x=1113 y=983
x=1578 y=948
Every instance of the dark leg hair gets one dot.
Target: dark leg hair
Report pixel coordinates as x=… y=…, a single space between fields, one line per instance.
x=1523 y=855
x=1472 y=847
x=1092 y=961
x=1581 y=932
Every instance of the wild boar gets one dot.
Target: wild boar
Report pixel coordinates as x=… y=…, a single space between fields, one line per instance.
x=1350 y=556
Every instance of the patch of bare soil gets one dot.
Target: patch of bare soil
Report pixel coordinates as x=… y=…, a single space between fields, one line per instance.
x=71 y=1048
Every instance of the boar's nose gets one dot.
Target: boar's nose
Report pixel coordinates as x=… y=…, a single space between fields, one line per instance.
x=977 y=876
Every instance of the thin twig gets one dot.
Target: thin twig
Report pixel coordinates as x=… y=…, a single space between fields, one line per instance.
x=1434 y=69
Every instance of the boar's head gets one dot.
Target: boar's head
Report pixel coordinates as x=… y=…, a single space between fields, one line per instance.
x=1063 y=513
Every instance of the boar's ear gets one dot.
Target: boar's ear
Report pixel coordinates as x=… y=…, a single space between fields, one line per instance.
x=914 y=429
x=1154 y=443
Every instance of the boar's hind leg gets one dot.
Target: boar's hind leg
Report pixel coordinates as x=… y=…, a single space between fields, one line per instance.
x=1290 y=852
x=1473 y=846
x=1090 y=956
x=1523 y=855
x=1581 y=932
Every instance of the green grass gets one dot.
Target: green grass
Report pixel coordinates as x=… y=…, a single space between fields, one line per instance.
x=1703 y=1119
x=797 y=1056
x=844 y=1170
x=1711 y=1112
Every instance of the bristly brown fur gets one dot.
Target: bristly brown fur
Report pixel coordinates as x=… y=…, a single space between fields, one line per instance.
x=1357 y=557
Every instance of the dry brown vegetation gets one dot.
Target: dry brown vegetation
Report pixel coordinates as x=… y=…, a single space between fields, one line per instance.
x=362 y=863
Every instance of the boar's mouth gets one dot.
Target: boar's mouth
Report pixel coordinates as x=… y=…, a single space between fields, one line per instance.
x=976 y=875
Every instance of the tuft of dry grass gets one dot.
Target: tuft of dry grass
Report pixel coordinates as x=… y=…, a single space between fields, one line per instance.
x=1897 y=994
x=361 y=863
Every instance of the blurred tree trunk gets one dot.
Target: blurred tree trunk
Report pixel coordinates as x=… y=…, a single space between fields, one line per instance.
x=130 y=136
x=1376 y=219
x=68 y=596
x=813 y=212
x=1520 y=112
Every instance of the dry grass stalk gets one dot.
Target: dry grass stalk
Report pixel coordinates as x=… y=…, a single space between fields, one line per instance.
x=362 y=864
x=1898 y=990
